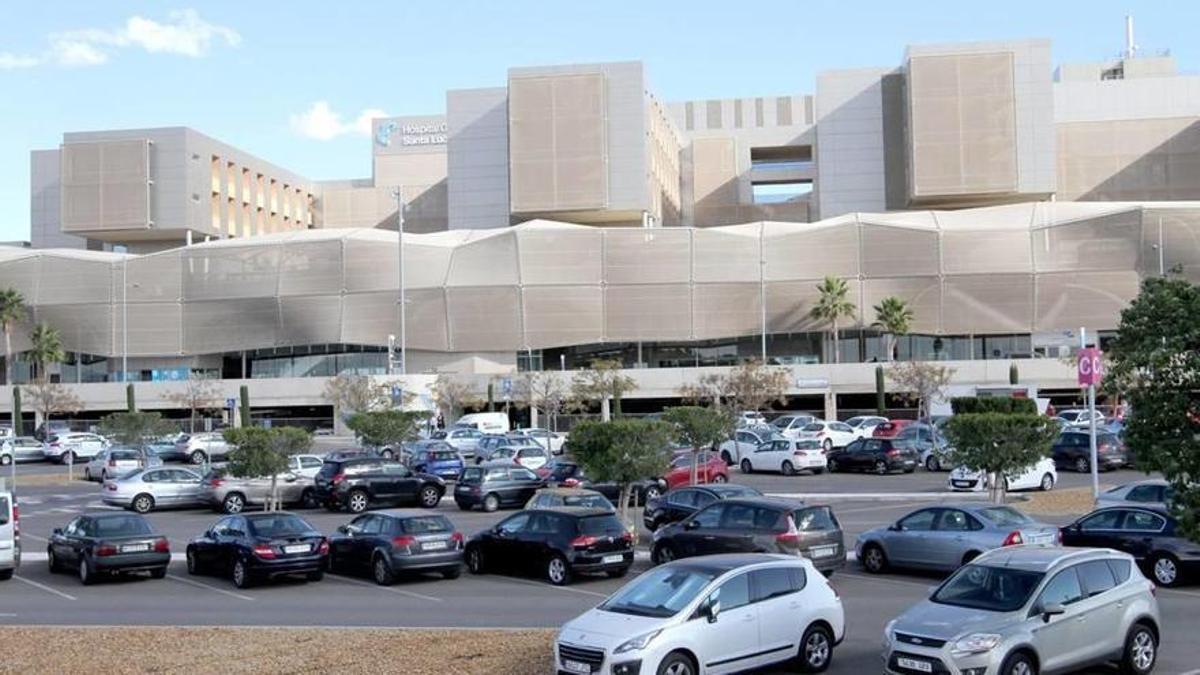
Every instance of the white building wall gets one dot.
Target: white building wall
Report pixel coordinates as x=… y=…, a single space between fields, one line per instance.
x=850 y=149
x=477 y=159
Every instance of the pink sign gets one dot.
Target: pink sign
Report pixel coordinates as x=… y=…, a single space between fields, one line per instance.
x=1091 y=367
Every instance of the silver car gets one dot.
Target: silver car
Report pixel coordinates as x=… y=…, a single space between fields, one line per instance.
x=144 y=490
x=228 y=494
x=947 y=536
x=1148 y=493
x=117 y=461
x=21 y=449
x=1029 y=609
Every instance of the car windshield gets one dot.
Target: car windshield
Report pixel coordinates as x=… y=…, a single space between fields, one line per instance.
x=587 y=501
x=471 y=474
x=808 y=445
x=562 y=471
x=661 y=592
x=602 y=525
x=278 y=526
x=994 y=589
x=121 y=526
x=815 y=426
x=427 y=525
x=1005 y=516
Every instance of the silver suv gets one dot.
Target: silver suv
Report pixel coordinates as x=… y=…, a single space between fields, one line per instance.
x=1021 y=610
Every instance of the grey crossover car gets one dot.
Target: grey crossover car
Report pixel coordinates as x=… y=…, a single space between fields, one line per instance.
x=1028 y=609
x=946 y=536
x=229 y=494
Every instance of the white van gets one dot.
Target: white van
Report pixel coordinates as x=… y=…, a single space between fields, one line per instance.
x=10 y=536
x=488 y=422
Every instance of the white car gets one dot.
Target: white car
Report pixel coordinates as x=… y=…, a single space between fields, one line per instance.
x=544 y=437
x=790 y=425
x=785 y=456
x=305 y=466
x=117 y=461
x=207 y=447
x=1081 y=418
x=745 y=441
x=10 y=536
x=72 y=446
x=751 y=418
x=21 y=449
x=830 y=434
x=1040 y=476
x=714 y=614
x=864 y=425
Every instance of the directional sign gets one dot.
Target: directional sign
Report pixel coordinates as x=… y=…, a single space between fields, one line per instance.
x=231 y=403
x=1090 y=367
x=506 y=386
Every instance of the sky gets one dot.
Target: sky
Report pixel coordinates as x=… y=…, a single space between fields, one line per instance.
x=294 y=82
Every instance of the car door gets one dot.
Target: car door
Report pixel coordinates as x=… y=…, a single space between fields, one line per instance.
x=907 y=543
x=948 y=541
x=524 y=484
x=1139 y=532
x=866 y=455
x=1099 y=611
x=732 y=642
x=777 y=592
x=1099 y=530
x=769 y=456
x=342 y=543
x=533 y=542
x=230 y=541
x=503 y=543
x=404 y=484
x=738 y=527
x=187 y=487
x=207 y=549
x=65 y=545
x=1059 y=641
x=697 y=535
x=677 y=504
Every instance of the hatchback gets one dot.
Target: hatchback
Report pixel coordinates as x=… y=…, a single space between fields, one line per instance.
x=1153 y=493
x=1073 y=450
x=722 y=613
x=388 y=543
x=1028 y=609
x=864 y=425
x=98 y=544
x=890 y=428
x=206 y=447
x=876 y=455
x=558 y=544
x=117 y=461
x=358 y=483
x=1151 y=536
x=443 y=461
x=710 y=468
x=569 y=474
x=70 y=447
x=232 y=494
x=556 y=498
x=491 y=486
x=10 y=535
x=786 y=456
x=1041 y=476
x=829 y=434
x=253 y=547
x=745 y=441
x=21 y=449
x=790 y=425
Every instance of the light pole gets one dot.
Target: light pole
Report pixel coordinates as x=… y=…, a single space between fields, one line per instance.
x=398 y=193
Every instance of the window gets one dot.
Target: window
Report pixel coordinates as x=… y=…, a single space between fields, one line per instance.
x=374 y=525
x=919 y=521
x=1142 y=521
x=309 y=462
x=734 y=593
x=3 y=510
x=1145 y=493
x=1005 y=516
x=359 y=524
x=1096 y=577
x=514 y=524
x=522 y=474
x=954 y=520
x=497 y=474
x=710 y=517
x=1105 y=520
x=542 y=523
x=815 y=519
x=426 y=525
x=781 y=193
x=1063 y=590
x=1120 y=569
x=739 y=517
x=772 y=583
x=704 y=499
x=682 y=498
x=73 y=528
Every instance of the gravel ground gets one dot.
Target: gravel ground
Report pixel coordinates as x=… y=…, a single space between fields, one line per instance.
x=274 y=650
x=1061 y=502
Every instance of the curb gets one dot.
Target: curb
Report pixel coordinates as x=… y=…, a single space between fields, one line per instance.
x=880 y=496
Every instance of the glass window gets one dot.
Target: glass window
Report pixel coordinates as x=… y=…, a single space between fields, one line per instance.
x=1142 y=521
x=734 y=593
x=1145 y=493
x=815 y=519
x=682 y=498
x=996 y=589
x=771 y=583
x=919 y=521
x=426 y=525
x=1105 y=520
x=954 y=520
x=522 y=474
x=601 y=526
x=74 y=527
x=739 y=517
x=1096 y=577
x=1120 y=569
x=3 y=510
x=1063 y=589
x=359 y=523
x=660 y=592
x=514 y=524
x=704 y=499
x=497 y=474
x=709 y=518
x=1005 y=516
x=542 y=523
x=374 y=525
x=280 y=525
x=309 y=462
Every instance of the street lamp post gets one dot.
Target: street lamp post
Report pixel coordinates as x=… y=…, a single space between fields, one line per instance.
x=124 y=321
x=398 y=193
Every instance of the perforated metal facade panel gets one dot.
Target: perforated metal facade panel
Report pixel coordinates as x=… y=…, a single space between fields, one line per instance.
x=105 y=186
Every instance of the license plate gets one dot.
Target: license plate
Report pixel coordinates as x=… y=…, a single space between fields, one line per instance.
x=913 y=664
x=609 y=559
x=296 y=548
x=962 y=483
x=135 y=548
x=433 y=546
x=1040 y=539
x=822 y=551
x=463 y=488
x=576 y=667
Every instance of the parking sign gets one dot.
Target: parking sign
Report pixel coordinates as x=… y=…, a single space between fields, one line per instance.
x=1090 y=367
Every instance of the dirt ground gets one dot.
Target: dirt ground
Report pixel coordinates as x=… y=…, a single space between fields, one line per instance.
x=1060 y=502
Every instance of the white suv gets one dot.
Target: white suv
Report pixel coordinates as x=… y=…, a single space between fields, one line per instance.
x=10 y=536
x=207 y=447
x=712 y=614
x=72 y=446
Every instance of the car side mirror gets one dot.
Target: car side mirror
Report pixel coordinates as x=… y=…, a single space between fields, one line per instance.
x=711 y=610
x=1053 y=609
x=342 y=529
x=691 y=525
x=57 y=530
x=894 y=527
x=289 y=477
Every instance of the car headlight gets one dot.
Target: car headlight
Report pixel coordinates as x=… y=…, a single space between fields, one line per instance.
x=977 y=643
x=637 y=643
x=887 y=633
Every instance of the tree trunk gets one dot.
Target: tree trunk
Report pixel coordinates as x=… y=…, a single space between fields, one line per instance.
x=7 y=354
x=837 y=346
x=995 y=488
x=626 y=494
x=891 y=348
x=695 y=464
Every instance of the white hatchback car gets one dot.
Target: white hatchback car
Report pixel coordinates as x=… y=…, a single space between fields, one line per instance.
x=830 y=434
x=1041 y=476
x=711 y=614
x=864 y=425
x=785 y=456
x=790 y=425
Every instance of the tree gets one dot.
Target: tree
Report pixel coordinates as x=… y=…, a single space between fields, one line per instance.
x=12 y=310
x=752 y=386
x=262 y=452
x=545 y=392
x=386 y=428
x=833 y=305
x=999 y=444
x=351 y=394
x=452 y=395
x=1155 y=361
x=46 y=349
x=135 y=429
x=623 y=451
x=894 y=317
x=600 y=381
x=700 y=428
x=920 y=381
x=198 y=396
x=51 y=398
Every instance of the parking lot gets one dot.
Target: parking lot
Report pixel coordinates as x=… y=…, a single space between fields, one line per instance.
x=861 y=502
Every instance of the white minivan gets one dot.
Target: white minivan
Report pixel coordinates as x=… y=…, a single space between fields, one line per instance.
x=487 y=422
x=10 y=536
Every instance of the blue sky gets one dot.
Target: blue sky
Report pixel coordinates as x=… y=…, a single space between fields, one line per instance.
x=253 y=73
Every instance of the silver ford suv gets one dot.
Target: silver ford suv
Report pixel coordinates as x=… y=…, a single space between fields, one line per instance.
x=1022 y=610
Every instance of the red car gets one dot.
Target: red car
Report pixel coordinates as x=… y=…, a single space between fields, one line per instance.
x=710 y=468
x=890 y=428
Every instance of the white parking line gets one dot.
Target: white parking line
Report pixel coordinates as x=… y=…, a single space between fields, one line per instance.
x=34 y=537
x=197 y=584
x=885 y=580
x=569 y=589
x=44 y=587
x=399 y=591
x=879 y=496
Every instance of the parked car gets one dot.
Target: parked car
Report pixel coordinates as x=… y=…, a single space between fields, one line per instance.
x=864 y=425
x=443 y=462
x=550 y=441
x=566 y=473
x=230 y=494
x=108 y=544
x=890 y=428
x=145 y=490
x=1041 y=476
x=1081 y=417
x=358 y=483
x=710 y=468
x=557 y=498
x=751 y=418
x=947 y=536
x=1073 y=450
x=682 y=502
x=729 y=612
x=745 y=441
x=878 y=455
x=786 y=456
x=790 y=425
x=509 y=449
x=1029 y=609
x=933 y=450
x=464 y=439
x=10 y=535
x=487 y=422
x=166 y=450
x=829 y=434
x=755 y=525
x=559 y=544
x=21 y=449
x=491 y=486
x=1150 y=535
x=45 y=430
x=117 y=461
x=305 y=466
x=1152 y=493
x=253 y=547
x=386 y=544
x=206 y=447
x=70 y=447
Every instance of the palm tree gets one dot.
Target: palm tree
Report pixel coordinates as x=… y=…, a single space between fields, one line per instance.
x=894 y=317
x=47 y=348
x=12 y=310
x=833 y=305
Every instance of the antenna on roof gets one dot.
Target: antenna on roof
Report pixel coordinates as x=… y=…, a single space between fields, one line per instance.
x=1130 y=47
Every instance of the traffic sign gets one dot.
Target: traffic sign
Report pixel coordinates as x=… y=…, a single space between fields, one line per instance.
x=506 y=386
x=231 y=403
x=1090 y=367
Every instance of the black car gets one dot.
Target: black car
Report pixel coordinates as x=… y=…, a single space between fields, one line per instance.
x=558 y=544
x=108 y=544
x=755 y=525
x=386 y=544
x=565 y=473
x=357 y=483
x=1150 y=535
x=879 y=455
x=1073 y=450
x=494 y=485
x=684 y=501
x=252 y=547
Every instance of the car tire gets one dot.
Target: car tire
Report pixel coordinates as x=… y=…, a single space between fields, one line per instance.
x=315 y=576
x=5 y=460
x=1164 y=569
x=491 y=502
x=55 y=568
x=827 y=445
x=874 y=560
x=932 y=464
x=832 y=465
x=357 y=501
x=197 y=457
x=234 y=502
x=241 y=575
x=386 y=453
x=881 y=467
x=5 y=575
x=193 y=565
x=725 y=457
x=617 y=573
x=475 y=562
x=677 y=663
x=1019 y=663
x=818 y=472
x=1141 y=651
x=452 y=572
x=1047 y=483
x=308 y=499
x=142 y=503
x=430 y=496
x=969 y=556
x=662 y=554
x=720 y=478
x=787 y=469
x=651 y=492
x=746 y=467
x=87 y=575
x=558 y=570
x=816 y=650
x=381 y=571
x=1082 y=465
x=159 y=572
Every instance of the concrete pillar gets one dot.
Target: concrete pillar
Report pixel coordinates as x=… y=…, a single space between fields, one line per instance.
x=830 y=405
x=605 y=410
x=533 y=416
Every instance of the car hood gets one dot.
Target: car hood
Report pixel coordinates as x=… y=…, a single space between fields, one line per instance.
x=946 y=622
x=963 y=473
x=608 y=629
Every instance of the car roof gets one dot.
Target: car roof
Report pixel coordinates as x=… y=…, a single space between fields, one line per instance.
x=722 y=488
x=568 y=492
x=727 y=562
x=99 y=515
x=771 y=502
x=574 y=511
x=1041 y=558
x=260 y=515
x=405 y=514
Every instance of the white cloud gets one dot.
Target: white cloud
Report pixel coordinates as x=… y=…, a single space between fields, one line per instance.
x=323 y=123
x=188 y=35
x=10 y=61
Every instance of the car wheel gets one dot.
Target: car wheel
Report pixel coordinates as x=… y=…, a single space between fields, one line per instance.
x=87 y=474
x=241 y=576
x=832 y=465
x=651 y=492
x=1141 y=651
x=1165 y=569
x=558 y=571
x=475 y=562
x=788 y=469
x=677 y=664
x=197 y=457
x=55 y=568
x=233 y=503
x=87 y=576
x=159 y=572
x=386 y=453
x=357 y=501
x=143 y=503
x=720 y=478
x=1018 y=664
x=430 y=497
x=1082 y=465
x=662 y=554
x=452 y=572
x=932 y=464
x=491 y=502
x=5 y=460
x=381 y=571
x=881 y=467
x=315 y=576
x=816 y=649
x=969 y=556
x=817 y=472
x=1047 y=483
x=725 y=457
x=874 y=560
x=828 y=445
x=747 y=467
x=193 y=566
x=308 y=498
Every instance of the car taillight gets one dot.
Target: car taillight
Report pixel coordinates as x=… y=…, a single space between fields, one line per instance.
x=161 y=545
x=570 y=482
x=788 y=538
x=457 y=538
x=337 y=479
x=627 y=537
x=1014 y=539
x=106 y=549
x=583 y=541
x=403 y=541
x=111 y=487
x=892 y=453
x=1058 y=537
x=265 y=552
x=323 y=549
x=216 y=482
x=112 y=462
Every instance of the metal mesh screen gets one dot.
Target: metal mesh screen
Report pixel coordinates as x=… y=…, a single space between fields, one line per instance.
x=560 y=255
x=214 y=326
x=810 y=252
x=489 y=260
x=105 y=186
x=923 y=295
x=215 y=272
x=988 y=303
x=484 y=318
x=1073 y=299
x=647 y=312
x=898 y=251
x=1108 y=243
x=314 y=267
x=647 y=256
x=727 y=309
x=563 y=315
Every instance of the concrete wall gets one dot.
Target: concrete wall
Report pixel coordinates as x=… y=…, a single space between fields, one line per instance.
x=45 y=193
x=477 y=159
x=850 y=144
